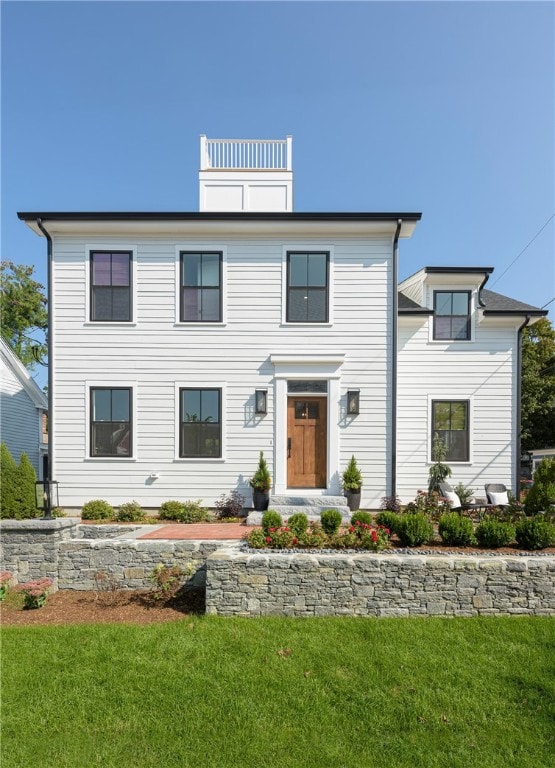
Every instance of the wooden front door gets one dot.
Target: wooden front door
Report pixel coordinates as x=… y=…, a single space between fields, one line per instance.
x=306 y=442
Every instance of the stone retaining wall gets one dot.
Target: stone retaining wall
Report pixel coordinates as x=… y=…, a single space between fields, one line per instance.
x=240 y=584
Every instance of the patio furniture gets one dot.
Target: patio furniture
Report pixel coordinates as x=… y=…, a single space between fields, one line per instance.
x=497 y=494
x=478 y=505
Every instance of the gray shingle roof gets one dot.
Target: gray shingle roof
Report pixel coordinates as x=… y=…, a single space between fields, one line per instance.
x=410 y=307
x=496 y=302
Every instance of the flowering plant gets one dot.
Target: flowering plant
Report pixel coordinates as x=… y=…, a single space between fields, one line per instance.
x=35 y=592
x=5 y=578
x=357 y=536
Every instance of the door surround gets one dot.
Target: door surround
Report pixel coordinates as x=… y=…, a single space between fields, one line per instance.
x=308 y=365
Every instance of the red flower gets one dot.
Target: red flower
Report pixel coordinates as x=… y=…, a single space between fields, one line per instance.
x=268 y=538
x=351 y=529
x=295 y=541
x=374 y=536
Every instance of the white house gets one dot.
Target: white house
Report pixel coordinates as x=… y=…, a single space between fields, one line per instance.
x=182 y=344
x=22 y=408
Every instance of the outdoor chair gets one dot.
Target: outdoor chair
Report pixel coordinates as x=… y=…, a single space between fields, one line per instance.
x=455 y=503
x=497 y=493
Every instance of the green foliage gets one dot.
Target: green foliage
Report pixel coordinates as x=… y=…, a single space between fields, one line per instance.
x=271 y=519
x=542 y=493
x=414 y=529
x=261 y=480
x=130 y=512
x=18 y=487
x=298 y=523
x=388 y=519
x=362 y=517
x=538 y=385
x=256 y=539
x=331 y=520
x=171 y=510
x=456 y=530
x=97 y=509
x=464 y=493
x=167 y=580
x=35 y=592
x=438 y=471
x=432 y=505
x=183 y=511
x=22 y=311
x=352 y=476
x=230 y=504
x=535 y=533
x=8 y=474
x=493 y=533
x=5 y=578
x=391 y=503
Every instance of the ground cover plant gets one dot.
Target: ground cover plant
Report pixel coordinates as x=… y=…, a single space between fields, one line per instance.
x=316 y=693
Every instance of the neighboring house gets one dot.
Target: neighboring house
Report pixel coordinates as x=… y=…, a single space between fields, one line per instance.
x=23 y=406
x=182 y=344
x=537 y=455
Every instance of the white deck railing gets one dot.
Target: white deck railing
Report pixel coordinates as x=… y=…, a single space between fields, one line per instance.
x=246 y=154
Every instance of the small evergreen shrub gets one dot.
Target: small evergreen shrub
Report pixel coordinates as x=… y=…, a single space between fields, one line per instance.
x=171 y=510
x=256 y=539
x=414 y=529
x=230 y=505
x=361 y=517
x=464 y=493
x=261 y=480
x=388 y=520
x=271 y=519
x=391 y=503
x=352 y=476
x=495 y=533
x=331 y=520
x=8 y=472
x=25 y=490
x=456 y=530
x=130 y=512
x=298 y=523
x=97 y=509
x=193 y=512
x=535 y=533
x=540 y=496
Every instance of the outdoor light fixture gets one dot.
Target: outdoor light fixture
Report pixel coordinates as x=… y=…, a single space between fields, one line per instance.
x=46 y=496
x=353 y=402
x=261 y=401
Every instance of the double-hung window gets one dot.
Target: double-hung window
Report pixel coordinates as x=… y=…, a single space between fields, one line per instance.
x=110 y=286
x=111 y=421
x=201 y=287
x=200 y=423
x=307 y=287
x=450 y=424
x=451 y=315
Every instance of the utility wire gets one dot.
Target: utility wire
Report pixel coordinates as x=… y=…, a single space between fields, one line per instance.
x=548 y=303
x=538 y=233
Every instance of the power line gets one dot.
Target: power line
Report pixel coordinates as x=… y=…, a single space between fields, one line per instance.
x=548 y=303
x=538 y=233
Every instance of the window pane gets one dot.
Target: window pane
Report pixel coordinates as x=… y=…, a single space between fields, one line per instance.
x=121 y=304
x=102 y=405
x=458 y=415
x=210 y=408
x=459 y=328
x=442 y=328
x=121 y=440
x=101 y=439
x=101 y=268
x=298 y=305
x=316 y=311
x=191 y=305
x=460 y=304
x=442 y=303
x=210 y=304
x=120 y=269
x=307 y=386
x=211 y=269
x=120 y=405
x=441 y=416
x=457 y=447
x=191 y=405
x=313 y=410
x=298 y=269
x=101 y=304
x=191 y=269
x=300 y=409
x=317 y=269
x=209 y=440
x=190 y=439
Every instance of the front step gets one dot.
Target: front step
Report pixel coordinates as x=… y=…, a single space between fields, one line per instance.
x=311 y=506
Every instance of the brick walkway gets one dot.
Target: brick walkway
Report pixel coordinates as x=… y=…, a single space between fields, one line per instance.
x=200 y=532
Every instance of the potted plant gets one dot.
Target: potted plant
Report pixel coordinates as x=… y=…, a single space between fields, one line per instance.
x=260 y=483
x=352 y=483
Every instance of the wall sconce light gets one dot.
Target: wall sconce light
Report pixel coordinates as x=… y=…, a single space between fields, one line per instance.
x=46 y=496
x=261 y=401
x=353 y=402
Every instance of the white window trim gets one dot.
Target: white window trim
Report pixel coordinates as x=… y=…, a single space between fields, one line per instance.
x=111 y=246
x=193 y=384
x=452 y=398
x=111 y=384
x=305 y=247
x=431 y=290
x=199 y=247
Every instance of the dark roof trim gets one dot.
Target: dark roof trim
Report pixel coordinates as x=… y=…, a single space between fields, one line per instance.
x=211 y=216
x=455 y=270
x=415 y=311
x=516 y=312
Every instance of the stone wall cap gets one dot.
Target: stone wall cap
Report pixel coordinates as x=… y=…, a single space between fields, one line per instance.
x=40 y=524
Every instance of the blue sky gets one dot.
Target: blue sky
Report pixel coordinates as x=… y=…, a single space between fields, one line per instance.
x=441 y=107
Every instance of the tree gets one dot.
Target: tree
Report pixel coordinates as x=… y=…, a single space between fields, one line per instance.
x=439 y=471
x=8 y=472
x=23 y=312
x=538 y=385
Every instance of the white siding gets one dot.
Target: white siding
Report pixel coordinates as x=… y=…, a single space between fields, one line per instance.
x=20 y=418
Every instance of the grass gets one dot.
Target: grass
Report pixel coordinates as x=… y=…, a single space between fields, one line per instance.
x=293 y=693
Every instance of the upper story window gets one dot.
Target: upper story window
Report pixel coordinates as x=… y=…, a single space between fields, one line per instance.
x=307 y=287
x=201 y=287
x=111 y=286
x=111 y=421
x=450 y=424
x=451 y=315
x=200 y=422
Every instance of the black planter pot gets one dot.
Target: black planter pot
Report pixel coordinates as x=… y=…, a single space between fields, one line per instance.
x=260 y=500
x=353 y=500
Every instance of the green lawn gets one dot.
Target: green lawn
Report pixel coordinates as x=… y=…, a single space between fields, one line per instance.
x=292 y=693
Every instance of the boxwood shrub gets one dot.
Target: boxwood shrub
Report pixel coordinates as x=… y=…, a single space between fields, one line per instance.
x=494 y=533
x=97 y=509
x=388 y=520
x=414 y=529
x=331 y=520
x=456 y=530
x=130 y=512
x=271 y=519
x=361 y=517
x=535 y=533
x=298 y=523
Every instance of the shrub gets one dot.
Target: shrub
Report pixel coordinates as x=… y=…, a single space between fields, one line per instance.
x=314 y=538
x=361 y=517
x=494 y=533
x=97 y=509
x=5 y=578
x=430 y=504
x=456 y=530
x=369 y=537
x=271 y=519
x=193 y=512
x=388 y=520
x=261 y=480
x=391 y=503
x=535 y=533
x=130 y=512
x=331 y=520
x=352 y=476
x=414 y=529
x=230 y=505
x=167 y=580
x=438 y=471
x=171 y=510
x=464 y=493
x=256 y=539
x=540 y=496
x=25 y=490
x=35 y=592
x=8 y=471
x=298 y=523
